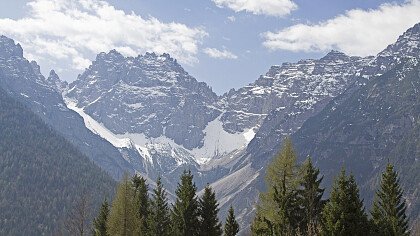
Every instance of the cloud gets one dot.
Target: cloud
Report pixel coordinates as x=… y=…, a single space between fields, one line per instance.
x=219 y=54
x=357 y=32
x=277 y=8
x=70 y=30
x=231 y=18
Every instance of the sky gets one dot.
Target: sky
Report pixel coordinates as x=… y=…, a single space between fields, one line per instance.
x=225 y=43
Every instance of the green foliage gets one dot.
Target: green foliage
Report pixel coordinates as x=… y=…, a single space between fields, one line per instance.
x=209 y=222
x=310 y=199
x=231 y=226
x=99 y=223
x=159 y=217
x=122 y=218
x=141 y=201
x=185 y=212
x=278 y=209
x=42 y=175
x=344 y=213
x=388 y=214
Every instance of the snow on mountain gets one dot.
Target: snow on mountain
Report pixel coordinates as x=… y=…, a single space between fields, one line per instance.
x=23 y=81
x=159 y=120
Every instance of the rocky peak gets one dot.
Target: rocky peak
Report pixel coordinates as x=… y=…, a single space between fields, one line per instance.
x=56 y=83
x=334 y=55
x=8 y=48
x=408 y=44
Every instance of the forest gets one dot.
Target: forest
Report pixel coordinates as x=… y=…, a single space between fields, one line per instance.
x=293 y=204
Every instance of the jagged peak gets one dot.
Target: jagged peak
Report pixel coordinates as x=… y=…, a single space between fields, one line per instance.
x=335 y=55
x=53 y=76
x=405 y=44
x=111 y=55
x=8 y=48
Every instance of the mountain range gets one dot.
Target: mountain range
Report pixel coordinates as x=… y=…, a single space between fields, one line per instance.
x=147 y=115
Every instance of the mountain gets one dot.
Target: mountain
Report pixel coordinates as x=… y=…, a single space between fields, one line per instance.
x=42 y=175
x=169 y=121
x=377 y=124
x=146 y=114
x=251 y=163
x=23 y=81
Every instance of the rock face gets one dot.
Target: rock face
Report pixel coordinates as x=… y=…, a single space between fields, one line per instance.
x=377 y=124
x=23 y=81
x=152 y=117
x=149 y=94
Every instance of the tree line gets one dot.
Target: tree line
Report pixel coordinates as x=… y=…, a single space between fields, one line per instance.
x=293 y=203
x=134 y=212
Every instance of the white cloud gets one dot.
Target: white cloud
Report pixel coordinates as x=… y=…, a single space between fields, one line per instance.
x=231 y=18
x=72 y=29
x=277 y=8
x=357 y=32
x=219 y=54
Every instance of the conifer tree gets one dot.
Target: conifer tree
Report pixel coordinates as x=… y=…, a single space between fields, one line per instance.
x=185 y=212
x=209 y=222
x=388 y=213
x=231 y=226
x=99 y=223
x=122 y=217
x=344 y=213
x=160 y=220
x=310 y=199
x=278 y=208
x=141 y=204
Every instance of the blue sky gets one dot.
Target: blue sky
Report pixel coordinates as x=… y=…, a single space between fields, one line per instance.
x=226 y=43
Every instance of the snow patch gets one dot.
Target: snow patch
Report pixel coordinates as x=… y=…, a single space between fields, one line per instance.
x=218 y=142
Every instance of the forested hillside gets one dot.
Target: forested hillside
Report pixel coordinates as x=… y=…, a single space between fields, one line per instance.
x=42 y=176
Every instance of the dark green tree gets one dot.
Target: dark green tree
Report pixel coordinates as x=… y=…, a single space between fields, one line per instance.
x=99 y=223
x=159 y=218
x=344 y=214
x=231 y=225
x=388 y=213
x=310 y=199
x=185 y=212
x=209 y=208
x=141 y=204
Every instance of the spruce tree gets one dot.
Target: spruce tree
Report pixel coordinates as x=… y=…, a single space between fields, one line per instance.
x=99 y=223
x=231 y=226
x=310 y=199
x=122 y=217
x=159 y=218
x=388 y=213
x=209 y=222
x=278 y=208
x=141 y=204
x=185 y=212
x=344 y=213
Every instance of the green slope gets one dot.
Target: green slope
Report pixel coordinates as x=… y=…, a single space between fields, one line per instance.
x=42 y=176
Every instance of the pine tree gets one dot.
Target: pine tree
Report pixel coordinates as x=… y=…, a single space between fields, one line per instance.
x=185 y=212
x=160 y=220
x=122 y=217
x=388 y=213
x=310 y=199
x=141 y=204
x=344 y=213
x=231 y=226
x=99 y=223
x=278 y=208
x=209 y=222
